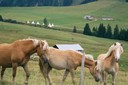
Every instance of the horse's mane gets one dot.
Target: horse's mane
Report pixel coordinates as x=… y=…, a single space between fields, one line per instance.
x=113 y=47
x=35 y=41
x=45 y=45
x=109 y=51
x=89 y=56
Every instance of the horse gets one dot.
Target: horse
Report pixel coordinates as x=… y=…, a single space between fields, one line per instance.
x=17 y=54
x=108 y=63
x=67 y=60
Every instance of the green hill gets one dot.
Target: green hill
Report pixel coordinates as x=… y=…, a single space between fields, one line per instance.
x=68 y=17
x=65 y=18
x=92 y=45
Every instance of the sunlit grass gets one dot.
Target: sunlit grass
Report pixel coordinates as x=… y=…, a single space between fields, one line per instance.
x=36 y=77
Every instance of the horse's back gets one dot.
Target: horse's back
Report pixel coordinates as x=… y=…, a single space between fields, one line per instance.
x=101 y=57
x=62 y=59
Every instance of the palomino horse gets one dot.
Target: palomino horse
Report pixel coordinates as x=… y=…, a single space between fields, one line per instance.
x=18 y=54
x=64 y=59
x=108 y=63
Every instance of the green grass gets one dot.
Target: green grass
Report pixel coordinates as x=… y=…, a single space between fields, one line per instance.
x=92 y=45
x=65 y=18
x=68 y=17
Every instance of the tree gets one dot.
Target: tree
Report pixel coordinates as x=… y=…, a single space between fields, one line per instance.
x=126 y=0
x=109 y=32
x=87 y=30
x=45 y=23
x=122 y=34
x=74 y=29
x=1 y=19
x=116 y=32
x=94 y=31
x=101 y=30
x=126 y=35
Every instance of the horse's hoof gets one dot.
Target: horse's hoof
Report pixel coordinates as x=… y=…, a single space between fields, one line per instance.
x=25 y=83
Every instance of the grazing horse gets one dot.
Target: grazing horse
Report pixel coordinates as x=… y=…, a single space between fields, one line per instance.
x=108 y=63
x=64 y=59
x=18 y=54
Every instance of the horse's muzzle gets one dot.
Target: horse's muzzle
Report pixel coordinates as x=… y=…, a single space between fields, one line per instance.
x=117 y=60
x=97 y=79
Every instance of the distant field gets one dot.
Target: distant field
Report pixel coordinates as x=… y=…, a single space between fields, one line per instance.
x=68 y=17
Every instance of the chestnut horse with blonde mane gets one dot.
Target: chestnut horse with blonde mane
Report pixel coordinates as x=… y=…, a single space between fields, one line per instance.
x=18 y=54
x=108 y=63
x=64 y=59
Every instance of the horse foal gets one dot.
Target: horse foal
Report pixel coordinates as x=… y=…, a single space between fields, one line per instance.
x=108 y=63
x=67 y=60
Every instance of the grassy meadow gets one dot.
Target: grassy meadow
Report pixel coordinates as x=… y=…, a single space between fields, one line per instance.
x=92 y=45
x=65 y=18
x=68 y=17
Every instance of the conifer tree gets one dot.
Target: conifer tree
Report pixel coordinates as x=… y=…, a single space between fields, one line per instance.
x=126 y=35
x=101 y=30
x=122 y=34
x=116 y=32
x=94 y=31
x=87 y=30
x=1 y=19
x=74 y=29
x=109 y=32
x=45 y=23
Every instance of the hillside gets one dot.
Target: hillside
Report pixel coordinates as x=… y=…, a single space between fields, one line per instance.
x=65 y=18
x=22 y=3
x=92 y=45
x=68 y=17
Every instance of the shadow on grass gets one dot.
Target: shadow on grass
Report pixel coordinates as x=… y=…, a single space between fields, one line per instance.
x=2 y=82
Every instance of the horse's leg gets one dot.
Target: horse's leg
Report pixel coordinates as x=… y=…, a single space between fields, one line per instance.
x=48 y=76
x=2 y=72
x=43 y=70
x=72 y=75
x=14 y=66
x=105 y=78
x=104 y=75
x=64 y=76
x=25 y=67
x=113 y=78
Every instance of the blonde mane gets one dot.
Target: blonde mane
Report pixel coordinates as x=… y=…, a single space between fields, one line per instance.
x=114 y=47
x=89 y=56
x=35 y=41
x=45 y=45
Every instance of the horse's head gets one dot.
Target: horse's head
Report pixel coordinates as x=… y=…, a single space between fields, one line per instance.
x=93 y=67
x=118 y=50
x=95 y=71
x=42 y=48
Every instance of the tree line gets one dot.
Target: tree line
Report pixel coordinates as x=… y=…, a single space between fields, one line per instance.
x=42 y=2
x=106 y=32
x=101 y=31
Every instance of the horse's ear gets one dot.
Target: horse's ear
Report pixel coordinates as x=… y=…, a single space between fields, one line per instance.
x=121 y=44
x=114 y=44
x=96 y=62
